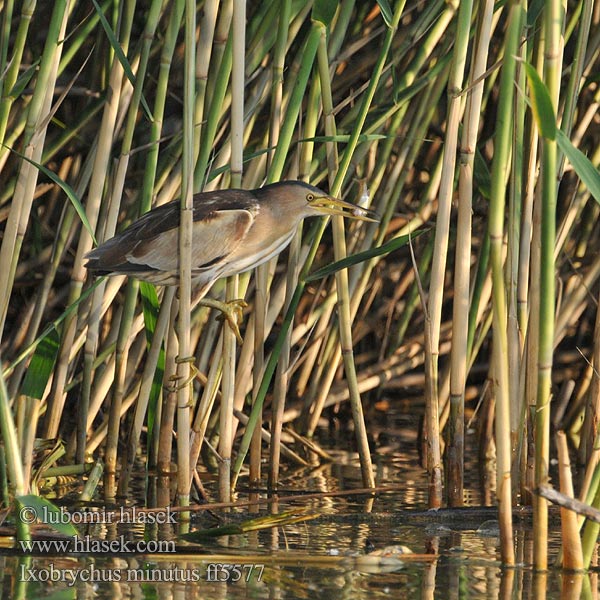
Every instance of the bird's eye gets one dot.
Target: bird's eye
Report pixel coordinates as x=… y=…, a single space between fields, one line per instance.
x=310 y=197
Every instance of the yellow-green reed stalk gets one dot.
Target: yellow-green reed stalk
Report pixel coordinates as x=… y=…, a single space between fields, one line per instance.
x=113 y=426
x=33 y=143
x=499 y=367
x=184 y=393
x=425 y=48
x=343 y=19
x=118 y=389
x=226 y=424
x=553 y=18
x=141 y=404
x=589 y=540
x=35 y=135
x=462 y=264
x=5 y=24
x=215 y=87
x=158 y=109
x=438 y=269
x=205 y=43
x=12 y=454
x=277 y=165
x=305 y=156
x=342 y=288
x=260 y=313
x=576 y=70
x=262 y=33
x=238 y=32
x=169 y=401
x=10 y=74
x=295 y=102
x=211 y=124
x=221 y=37
x=43 y=293
x=591 y=478
x=281 y=378
x=145 y=203
x=528 y=296
x=519 y=223
x=340 y=249
x=205 y=406
x=94 y=200
x=323 y=382
x=123 y=342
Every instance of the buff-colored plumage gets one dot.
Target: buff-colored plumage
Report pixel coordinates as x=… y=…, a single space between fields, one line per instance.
x=233 y=231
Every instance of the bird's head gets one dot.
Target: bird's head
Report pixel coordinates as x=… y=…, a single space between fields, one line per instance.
x=303 y=200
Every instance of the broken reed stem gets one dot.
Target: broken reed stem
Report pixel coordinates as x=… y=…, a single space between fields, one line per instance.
x=571 y=541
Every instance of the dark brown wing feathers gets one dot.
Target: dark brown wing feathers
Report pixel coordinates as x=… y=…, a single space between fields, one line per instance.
x=154 y=235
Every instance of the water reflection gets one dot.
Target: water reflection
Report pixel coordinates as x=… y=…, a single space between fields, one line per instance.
x=289 y=574
x=456 y=552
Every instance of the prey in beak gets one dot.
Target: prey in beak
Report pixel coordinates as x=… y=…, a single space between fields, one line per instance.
x=335 y=206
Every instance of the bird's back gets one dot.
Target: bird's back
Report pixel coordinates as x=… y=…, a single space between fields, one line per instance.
x=149 y=248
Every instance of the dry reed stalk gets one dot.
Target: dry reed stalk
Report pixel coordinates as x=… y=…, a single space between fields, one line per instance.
x=147 y=380
x=435 y=297
x=281 y=385
x=238 y=32
x=571 y=542
x=184 y=392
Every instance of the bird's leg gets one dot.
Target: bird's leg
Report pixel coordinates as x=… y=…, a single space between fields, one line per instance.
x=231 y=312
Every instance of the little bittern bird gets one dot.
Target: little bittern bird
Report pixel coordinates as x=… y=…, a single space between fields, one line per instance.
x=233 y=231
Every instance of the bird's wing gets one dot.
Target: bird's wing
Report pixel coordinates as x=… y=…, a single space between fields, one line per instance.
x=216 y=235
x=150 y=244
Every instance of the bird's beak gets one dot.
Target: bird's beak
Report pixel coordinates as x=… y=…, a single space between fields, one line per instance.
x=334 y=206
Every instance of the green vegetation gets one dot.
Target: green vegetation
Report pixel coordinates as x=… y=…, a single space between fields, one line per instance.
x=471 y=127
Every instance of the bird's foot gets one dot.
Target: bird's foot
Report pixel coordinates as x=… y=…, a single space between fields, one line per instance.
x=231 y=311
x=175 y=385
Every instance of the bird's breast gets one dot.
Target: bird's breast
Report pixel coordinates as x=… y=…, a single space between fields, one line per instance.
x=250 y=255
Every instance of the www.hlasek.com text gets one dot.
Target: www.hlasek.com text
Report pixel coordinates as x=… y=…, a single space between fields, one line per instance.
x=89 y=545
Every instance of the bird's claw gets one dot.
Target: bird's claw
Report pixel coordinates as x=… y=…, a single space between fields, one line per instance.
x=232 y=312
x=194 y=372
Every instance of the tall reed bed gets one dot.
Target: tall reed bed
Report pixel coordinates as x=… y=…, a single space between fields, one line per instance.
x=472 y=122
